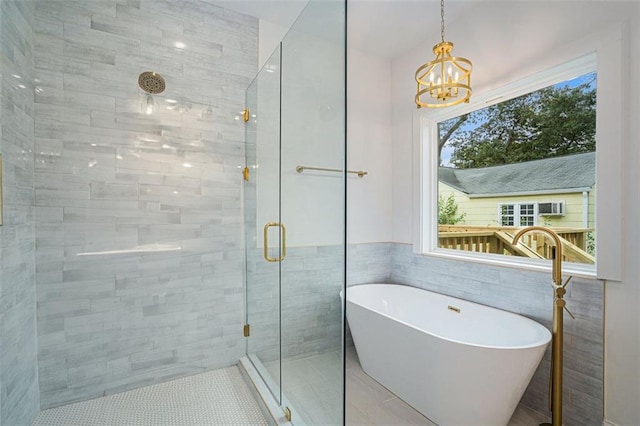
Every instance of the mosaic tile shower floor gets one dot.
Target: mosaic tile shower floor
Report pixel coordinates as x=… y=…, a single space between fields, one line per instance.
x=217 y=397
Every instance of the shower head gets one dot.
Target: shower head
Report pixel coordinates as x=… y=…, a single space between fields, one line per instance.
x=151 y=82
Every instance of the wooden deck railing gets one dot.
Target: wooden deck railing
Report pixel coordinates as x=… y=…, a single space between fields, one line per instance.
x=498 y=239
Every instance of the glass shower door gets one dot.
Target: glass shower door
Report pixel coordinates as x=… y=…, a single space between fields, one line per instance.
x=261 y=212
x=312 y=205
x=295 y=216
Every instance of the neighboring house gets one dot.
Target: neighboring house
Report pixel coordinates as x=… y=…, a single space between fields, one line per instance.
x=556 y=191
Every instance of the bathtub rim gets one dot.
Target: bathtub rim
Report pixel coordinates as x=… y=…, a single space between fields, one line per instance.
x=520 y=347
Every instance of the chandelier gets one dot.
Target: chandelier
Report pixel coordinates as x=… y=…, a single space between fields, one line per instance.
x=445 y=81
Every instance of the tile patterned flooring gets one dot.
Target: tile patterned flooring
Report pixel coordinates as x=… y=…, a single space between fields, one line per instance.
x=370 y=403
x=217 y=397
x=221 y=397
x=312 y=385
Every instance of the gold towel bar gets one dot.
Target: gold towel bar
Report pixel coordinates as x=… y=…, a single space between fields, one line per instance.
x=360 y=173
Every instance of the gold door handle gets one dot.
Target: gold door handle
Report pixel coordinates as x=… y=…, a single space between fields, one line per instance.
x=283 y=253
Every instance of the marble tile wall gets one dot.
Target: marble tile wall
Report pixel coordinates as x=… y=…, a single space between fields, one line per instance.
x=18 y=345
x=368 y=263
x=311 y=308
x=317 y=327
x=138 y=217
x=524 y=292
x=309 y=294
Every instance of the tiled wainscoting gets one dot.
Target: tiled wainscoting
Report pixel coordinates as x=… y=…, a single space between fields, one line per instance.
x=139 y=225
x=314 y=328
x=523 y=292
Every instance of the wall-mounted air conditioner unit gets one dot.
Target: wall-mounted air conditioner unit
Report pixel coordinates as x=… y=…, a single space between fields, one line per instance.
x=555 y=208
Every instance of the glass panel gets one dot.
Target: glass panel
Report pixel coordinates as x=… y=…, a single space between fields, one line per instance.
x=312 y=208
x=261 y=206
x=534 y=158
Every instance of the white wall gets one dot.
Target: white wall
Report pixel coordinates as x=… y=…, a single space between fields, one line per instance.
x=532 y=37
x=622 y=313
x=368 y=142
x=369 y=199
x=312 y=135
x=311 y=130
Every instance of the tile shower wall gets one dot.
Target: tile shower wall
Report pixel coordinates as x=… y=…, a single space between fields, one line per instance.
x=311 y=277
x=317 y=327
x=524 y=292
x=312 y=330
x=139 y=245
x=18 y=344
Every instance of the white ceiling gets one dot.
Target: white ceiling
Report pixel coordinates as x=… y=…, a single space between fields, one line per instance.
x=385 y=28
x=390 y=28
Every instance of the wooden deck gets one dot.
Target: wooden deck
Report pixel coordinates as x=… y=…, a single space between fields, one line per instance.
x=498 y=240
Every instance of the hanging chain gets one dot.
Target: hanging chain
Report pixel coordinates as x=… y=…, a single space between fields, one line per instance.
x=442 y=20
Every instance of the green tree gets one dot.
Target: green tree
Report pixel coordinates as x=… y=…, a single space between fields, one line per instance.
x=448 y=211
x=550 y=122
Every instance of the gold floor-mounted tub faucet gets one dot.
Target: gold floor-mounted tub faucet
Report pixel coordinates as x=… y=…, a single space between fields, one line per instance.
x=559 y=305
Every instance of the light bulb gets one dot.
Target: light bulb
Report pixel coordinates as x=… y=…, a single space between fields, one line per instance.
x=431 y=77
x=449 y=71
x=457 y=76
x=149 y=107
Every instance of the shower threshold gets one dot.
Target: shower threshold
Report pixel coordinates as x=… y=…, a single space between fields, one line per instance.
x=313 y=383
x=260 y=381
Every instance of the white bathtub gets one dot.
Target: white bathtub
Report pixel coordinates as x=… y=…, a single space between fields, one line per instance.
x=457 y=368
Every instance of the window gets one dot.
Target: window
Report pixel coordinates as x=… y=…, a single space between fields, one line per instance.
x=521 y=214
x=507 y=214
x=527 y=216
x=430 y=166
x=516 y=154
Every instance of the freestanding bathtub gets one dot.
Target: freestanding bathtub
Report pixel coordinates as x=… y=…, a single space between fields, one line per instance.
x=457 y=362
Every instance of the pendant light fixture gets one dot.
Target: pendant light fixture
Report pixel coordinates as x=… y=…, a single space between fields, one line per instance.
x=445 y=81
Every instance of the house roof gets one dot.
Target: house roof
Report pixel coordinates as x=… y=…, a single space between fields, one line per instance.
x=559 y=174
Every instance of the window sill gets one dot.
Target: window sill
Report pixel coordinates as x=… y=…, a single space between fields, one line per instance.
x=574 y=269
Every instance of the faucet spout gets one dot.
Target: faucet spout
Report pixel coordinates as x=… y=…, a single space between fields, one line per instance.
x=556 y=271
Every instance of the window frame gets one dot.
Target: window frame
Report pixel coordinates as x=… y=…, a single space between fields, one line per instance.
x=606 y=62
